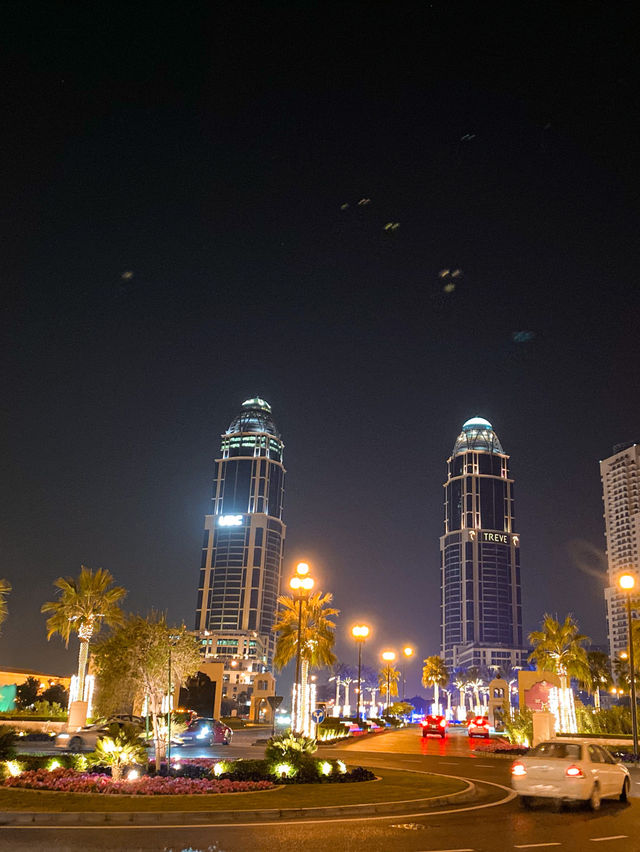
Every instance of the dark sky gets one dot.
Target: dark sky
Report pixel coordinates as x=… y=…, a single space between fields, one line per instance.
x=208 y=149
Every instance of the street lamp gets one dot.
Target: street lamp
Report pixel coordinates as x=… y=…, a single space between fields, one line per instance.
x=388 y=657
x=408 y=653
x=359 y=633
x=626 y=583
x=301 y=585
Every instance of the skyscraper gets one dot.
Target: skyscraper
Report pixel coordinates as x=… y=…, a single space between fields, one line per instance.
x=481 y=608
x=243 y=541
x=620 y=475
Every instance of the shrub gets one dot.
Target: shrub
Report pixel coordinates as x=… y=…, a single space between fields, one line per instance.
x=518 y=726
x=289 y=748
x=7 y=743
x=119 y=750
x=332 y=729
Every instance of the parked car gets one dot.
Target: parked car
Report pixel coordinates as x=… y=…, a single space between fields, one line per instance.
x=434 y=725
x=86 y=738
x=567 y=770
x=478 y=727
x=205 y=731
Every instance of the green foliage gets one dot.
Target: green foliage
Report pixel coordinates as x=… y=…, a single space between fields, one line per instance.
x=331 y=729
x=391 y=720
x=7 y=743
x=5 y=588
x=48 y=710
x=400 y=708
x=121 y=748
x=56 y=694
x=435 y=672
x=518 y=726
x=289 y=748
x=388 y=676
x=27 y=692
x=316 y=630
x=559 y=648
x=615 y=720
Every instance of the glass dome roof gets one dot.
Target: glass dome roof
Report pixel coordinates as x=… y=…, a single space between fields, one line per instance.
x=477 y=434
x=255 y=416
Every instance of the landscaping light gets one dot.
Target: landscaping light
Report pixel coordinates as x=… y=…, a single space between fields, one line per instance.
x=326 y=768
x=133 y=775
x=342 y=767
x=55 y=764
x=219 y=768
x=13 y=768
x=284 y=770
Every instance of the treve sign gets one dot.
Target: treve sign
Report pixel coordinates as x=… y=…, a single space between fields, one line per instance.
x=499 y=538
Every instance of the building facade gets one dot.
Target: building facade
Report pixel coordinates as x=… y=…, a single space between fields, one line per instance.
x=481 y=606
x=243 y=544
x=620 y=474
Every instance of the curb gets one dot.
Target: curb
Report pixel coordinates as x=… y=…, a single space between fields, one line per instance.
x=97 y=818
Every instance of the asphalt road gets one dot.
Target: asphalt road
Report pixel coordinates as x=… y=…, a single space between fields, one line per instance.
x=494 y=823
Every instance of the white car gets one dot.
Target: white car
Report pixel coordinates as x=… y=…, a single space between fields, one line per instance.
x=569 y=770
x=86 y=738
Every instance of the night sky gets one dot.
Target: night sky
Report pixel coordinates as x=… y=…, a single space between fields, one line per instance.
x=173 y=242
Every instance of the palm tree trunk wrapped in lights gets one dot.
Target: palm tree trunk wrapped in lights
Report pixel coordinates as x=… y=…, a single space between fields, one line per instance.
x=559 y=648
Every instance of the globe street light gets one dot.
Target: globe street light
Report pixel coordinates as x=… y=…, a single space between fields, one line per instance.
x=408 y=653
x=626 y=583
x=388 y=657
x=301 y=585
x=359 y=633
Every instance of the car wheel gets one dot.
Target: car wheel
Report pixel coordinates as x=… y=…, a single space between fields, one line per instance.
x=226 y=741
x=624 y=795
x=526 y=802
x=595 y=799
x=442 y=735
x=76 y=744
x=423 y=735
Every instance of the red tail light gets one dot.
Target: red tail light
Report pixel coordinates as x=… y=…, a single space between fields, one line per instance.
x=574 y=772
x=443 y=723
x=518 y=769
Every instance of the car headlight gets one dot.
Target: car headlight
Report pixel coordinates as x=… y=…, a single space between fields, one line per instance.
x=63 y=736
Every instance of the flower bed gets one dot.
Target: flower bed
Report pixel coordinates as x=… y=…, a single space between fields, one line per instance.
x=501 y=747
x=70 y=781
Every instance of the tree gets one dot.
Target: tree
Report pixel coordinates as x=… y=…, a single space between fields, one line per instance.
x=316 y=630
x=27 y=692
x=133 y=664
x=120 y=749
x=435 y=674
x=475 y=682
x=599 y=675
x=56 y=694
x=84 y=604
x=388 y=676
x=559 y=648
x=5 y=588
x=461 y=682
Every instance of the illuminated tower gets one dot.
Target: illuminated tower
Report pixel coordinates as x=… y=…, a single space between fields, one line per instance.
x=620 y=475
x=243 y=541
x=481 y=611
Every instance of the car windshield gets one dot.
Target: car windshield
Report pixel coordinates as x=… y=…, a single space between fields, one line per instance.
x=561 y=751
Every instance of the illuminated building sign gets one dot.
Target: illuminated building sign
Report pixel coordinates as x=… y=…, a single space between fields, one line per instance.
x=498 y=538
x=230 y=521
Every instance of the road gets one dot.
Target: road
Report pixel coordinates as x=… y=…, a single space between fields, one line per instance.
x=493 y=824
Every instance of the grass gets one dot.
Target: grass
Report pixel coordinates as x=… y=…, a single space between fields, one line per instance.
x=395 y=785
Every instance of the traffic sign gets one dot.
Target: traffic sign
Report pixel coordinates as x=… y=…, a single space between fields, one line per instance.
x=274 y=701
x=318 y=716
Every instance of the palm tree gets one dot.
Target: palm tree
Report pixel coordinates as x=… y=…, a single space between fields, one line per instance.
x=316 y=629
x=388 y=678
x=5 y=588
x=461 y=684
x=435 y=674
x=559 y=648
x=84 y=604
x=475 y=682
x=599 y=675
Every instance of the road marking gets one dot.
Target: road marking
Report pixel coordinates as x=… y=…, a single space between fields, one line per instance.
x=450 y=850
x=444 y=763
x=535 y=845
x=612 y=837
x=486 y=765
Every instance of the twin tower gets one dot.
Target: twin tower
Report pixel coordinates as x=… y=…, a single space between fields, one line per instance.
x=242 y=554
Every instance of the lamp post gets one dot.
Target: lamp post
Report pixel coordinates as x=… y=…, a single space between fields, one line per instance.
x=388 y=657
x=408 y=653
x=359 y=633
x=627 y=583
x=301 y=585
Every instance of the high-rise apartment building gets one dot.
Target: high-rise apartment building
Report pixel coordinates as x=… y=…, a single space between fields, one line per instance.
x=481 y=607
x=243 y=542
x=620 y=475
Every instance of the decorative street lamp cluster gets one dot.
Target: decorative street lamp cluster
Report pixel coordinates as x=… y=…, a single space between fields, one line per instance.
x=627 y=583
x=359 y=633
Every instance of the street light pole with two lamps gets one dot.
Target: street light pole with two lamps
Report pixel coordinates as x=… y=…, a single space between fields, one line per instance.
x=408 y=653
x=301 y=585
